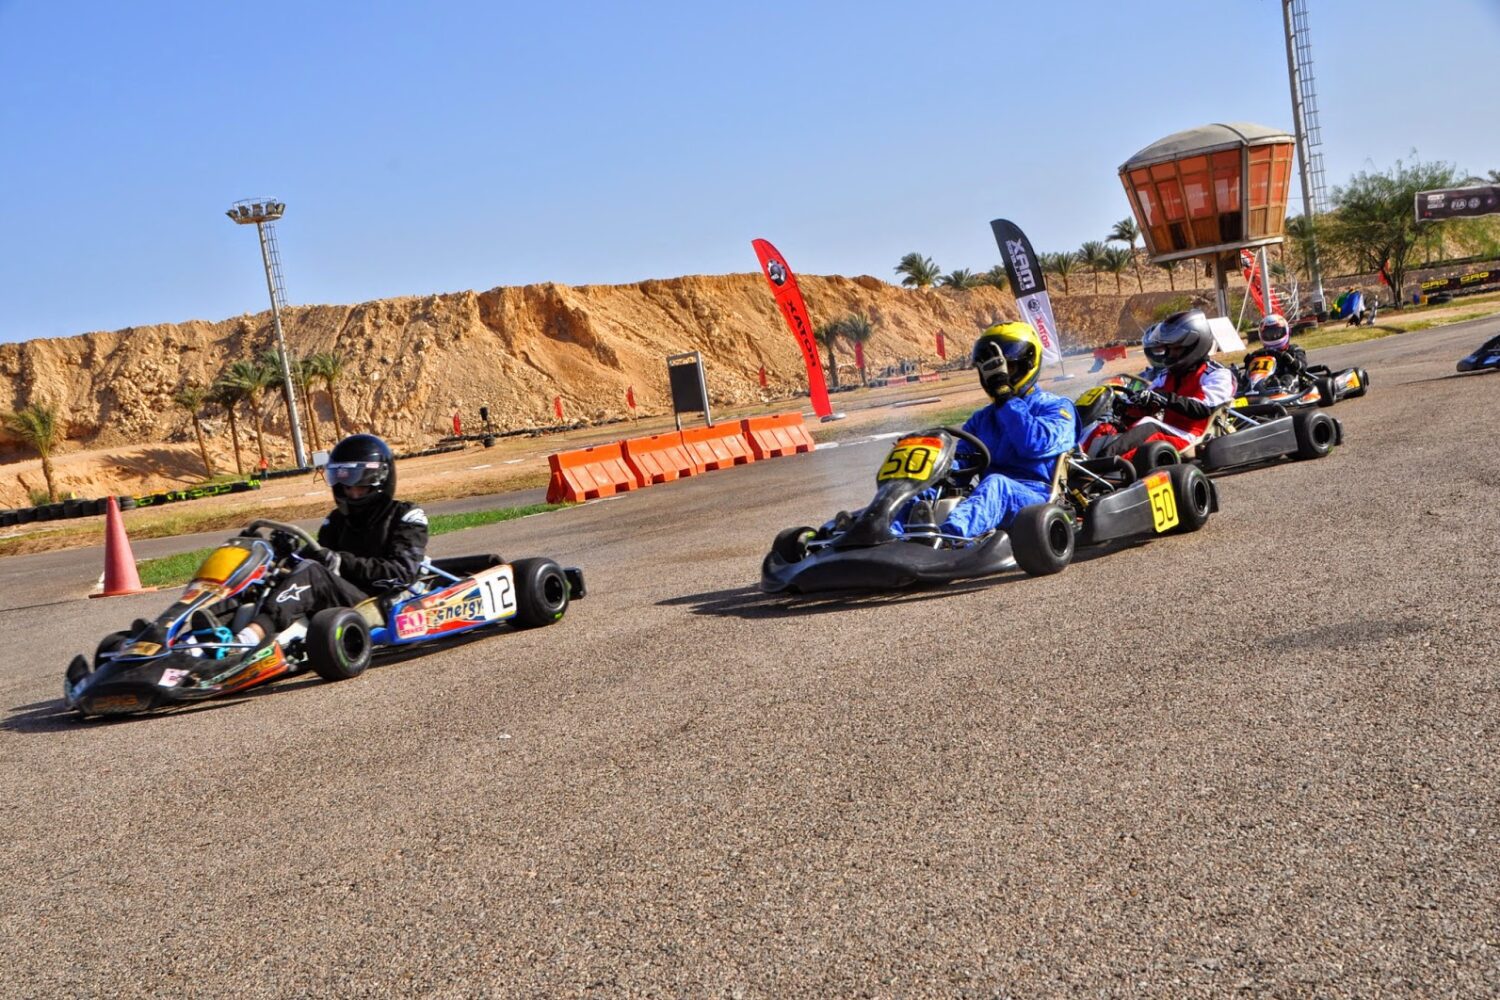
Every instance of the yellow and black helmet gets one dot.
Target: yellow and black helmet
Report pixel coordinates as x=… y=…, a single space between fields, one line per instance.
x=1009 y=358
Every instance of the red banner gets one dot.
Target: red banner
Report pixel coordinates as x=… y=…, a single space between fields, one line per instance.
x=942 y=347
x=557 y=406
x=859 y=356
x=630 y=396
x=794 y=311
x=458 y=426
x=1250 y=268
x=763 y=382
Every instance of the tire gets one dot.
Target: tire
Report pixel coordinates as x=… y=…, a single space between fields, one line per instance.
x=791 y=545
x=1041 y=538
x=1153 y=455
x=109 y=644
x=8 y=519
x=541 y=592
x=1316 y=434
x=1327 y=395
x=1194 y=494
x=26 y=515
x=338 y=644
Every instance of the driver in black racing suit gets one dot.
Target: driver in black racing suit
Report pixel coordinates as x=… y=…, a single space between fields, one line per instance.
x=371 y=542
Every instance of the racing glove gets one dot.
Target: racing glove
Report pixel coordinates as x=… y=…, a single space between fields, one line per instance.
x=1197 y=409
x=328 y=557
x=1148 y=400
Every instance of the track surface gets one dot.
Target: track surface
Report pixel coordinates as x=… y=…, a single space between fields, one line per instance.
x=1262 y=758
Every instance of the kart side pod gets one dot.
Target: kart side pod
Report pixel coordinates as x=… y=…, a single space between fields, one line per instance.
x=1308 y=435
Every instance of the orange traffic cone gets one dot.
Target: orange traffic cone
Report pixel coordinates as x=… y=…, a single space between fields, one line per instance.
x=120 y=576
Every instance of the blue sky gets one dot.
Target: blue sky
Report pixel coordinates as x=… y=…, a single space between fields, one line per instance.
x=441 y=146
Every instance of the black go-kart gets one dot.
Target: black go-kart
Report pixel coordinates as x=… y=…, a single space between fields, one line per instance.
x=897 y=540
x=1485 y=358
x=1260 y=382
x=1239 y=434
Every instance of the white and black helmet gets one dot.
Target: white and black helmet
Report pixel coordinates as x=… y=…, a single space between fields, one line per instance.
x=1180 y=342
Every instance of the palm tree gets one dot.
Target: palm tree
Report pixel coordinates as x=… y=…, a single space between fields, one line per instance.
x=828 y=334
x=857 y=328
x=1061 y=264
x=1170 y=266
x=1091 y=255
x=1126 y=231
x=1117 y=261
x=38 y=427
x=995 y=277
x=919 y=271
x=327 y=367
x=252 y=379
x=191 y=398
x=300 y=378
x=961 y=279
x=222 y=393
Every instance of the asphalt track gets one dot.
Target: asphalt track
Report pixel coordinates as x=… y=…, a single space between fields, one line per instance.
x=1260 y=760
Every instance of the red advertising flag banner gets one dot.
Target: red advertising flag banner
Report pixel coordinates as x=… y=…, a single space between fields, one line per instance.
x=859 y=356
x=794 y=311
x=630 y=396
x=942 y=348
x=557 y=406
x=458 y=427
x=763 y=382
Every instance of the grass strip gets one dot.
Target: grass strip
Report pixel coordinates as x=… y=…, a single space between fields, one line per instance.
x=169 y=571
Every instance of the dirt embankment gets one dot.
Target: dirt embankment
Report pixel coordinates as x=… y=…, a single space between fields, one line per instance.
x=411 y=362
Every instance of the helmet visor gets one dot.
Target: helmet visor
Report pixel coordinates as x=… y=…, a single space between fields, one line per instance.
x=355 y=473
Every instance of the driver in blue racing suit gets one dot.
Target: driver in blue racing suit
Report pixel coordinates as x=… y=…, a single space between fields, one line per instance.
x=1025 y=429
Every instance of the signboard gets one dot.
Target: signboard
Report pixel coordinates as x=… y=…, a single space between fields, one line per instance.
x=1458 y=203
x=689 y=392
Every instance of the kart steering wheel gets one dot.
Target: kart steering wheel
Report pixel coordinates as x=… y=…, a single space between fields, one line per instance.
x=974 y=442
x=308 y=542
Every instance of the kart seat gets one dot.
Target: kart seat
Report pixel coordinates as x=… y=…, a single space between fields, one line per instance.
x=461 y=566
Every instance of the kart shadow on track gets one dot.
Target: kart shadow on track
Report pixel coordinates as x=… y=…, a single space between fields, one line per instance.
x=752 y=603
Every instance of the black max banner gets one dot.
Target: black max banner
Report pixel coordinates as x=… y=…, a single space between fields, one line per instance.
x=1458 y=203
x=1028 y=285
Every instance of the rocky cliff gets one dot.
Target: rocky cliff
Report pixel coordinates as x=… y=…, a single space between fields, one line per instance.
x=413 y=361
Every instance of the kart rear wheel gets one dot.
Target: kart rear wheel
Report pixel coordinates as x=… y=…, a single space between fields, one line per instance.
x=1327 y=394
x=1041 y=538
x=1194 y=495
x=541 y=592
x=1153 y=455
x=338 y=644
x=790 y=545
x=109 y=644
x=1316 y=434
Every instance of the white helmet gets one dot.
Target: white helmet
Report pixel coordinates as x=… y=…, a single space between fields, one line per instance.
x=1274 y=332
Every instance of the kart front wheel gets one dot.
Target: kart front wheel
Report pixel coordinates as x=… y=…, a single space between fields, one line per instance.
x=1153 y=455
x=338 y=644
x=1316 y=434
x=1041 y=539
x=790 y=545
x=109 y=644
x=1194 y=495
x=541 y=592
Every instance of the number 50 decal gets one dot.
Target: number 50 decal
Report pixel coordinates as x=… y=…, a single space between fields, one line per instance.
x=912 y=458
x=1163 y=501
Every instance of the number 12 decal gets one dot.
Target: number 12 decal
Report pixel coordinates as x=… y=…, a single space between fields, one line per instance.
x=500 y=594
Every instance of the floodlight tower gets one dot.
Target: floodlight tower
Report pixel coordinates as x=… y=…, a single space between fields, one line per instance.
x=1308 y=132
x=263 y=213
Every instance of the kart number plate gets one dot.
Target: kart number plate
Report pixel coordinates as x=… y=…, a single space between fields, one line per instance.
x=1163 y=501
x=1263 y=366
x=912 y=458
x=498 y=590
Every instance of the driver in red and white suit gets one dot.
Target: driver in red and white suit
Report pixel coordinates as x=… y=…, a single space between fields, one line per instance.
x=1187 y=389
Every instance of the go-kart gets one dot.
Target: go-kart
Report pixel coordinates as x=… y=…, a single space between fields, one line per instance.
x=190 y=652
x=1315 y=385
x=1238 y=434
x=1485 y=358
x=897 y=541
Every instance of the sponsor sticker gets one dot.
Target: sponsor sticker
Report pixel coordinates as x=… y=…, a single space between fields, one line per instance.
x=410 y=623
x=171 y=677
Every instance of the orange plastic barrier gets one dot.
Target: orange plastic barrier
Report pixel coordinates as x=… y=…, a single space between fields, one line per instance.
x=659 y=458
x=782 y=434
x=590 y=473
x=717 y=447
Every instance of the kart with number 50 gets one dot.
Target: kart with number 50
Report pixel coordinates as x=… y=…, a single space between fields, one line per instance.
x=190 y=652
x=897 y=541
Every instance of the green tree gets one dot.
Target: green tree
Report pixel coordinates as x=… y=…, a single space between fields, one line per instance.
x=223 y=393
x=252 y=379
x=191 y=398
x=1063 y=264
x=918 y=271
x=327 y=367
x=1091 y=254
x=1170 y=266
x=961 y=279
x=301 y=377
x=1373 y=223
x=995 y=277
x=1116 y=261
x=1127 y=232
x=829 y=334
x=39 y=427
x=857 y=328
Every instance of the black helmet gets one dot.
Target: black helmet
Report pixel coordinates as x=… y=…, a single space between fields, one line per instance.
x=1009 y=358
x=361 y=460
x=1179 y=342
